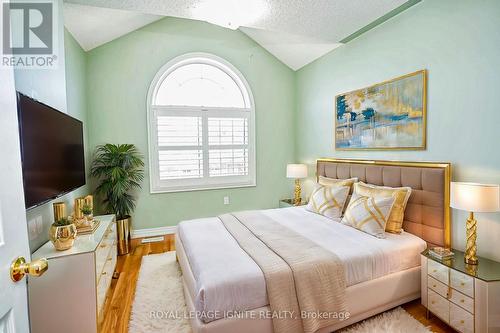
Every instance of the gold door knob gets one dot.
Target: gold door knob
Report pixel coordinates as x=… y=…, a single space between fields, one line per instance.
x=19 y=268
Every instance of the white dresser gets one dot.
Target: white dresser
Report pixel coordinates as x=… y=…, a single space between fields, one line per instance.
x=70 y=296
x=466 y=297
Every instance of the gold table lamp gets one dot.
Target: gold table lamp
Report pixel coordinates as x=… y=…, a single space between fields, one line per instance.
x=474 y=198
x=296 y=171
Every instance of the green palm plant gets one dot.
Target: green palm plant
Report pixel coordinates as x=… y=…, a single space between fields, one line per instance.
x=119 y=170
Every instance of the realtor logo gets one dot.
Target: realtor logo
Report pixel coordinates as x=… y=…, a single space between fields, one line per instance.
x=29 y=34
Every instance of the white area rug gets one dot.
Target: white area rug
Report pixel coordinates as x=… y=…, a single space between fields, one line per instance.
x=159 y=305
x=394 y=321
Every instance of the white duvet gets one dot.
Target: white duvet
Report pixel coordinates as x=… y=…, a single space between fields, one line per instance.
x=227 y=279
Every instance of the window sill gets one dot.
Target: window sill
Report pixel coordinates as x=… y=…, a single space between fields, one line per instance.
x=201 y=188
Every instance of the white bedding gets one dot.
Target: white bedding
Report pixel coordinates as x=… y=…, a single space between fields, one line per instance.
x=227 y=279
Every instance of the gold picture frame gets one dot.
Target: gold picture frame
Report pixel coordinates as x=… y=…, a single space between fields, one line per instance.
x=421 y=121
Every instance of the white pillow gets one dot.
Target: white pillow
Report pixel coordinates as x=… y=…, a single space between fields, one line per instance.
x=339 y=182
x=328 y=201
x=368 y=214
x=400 y=195
x=322 y=180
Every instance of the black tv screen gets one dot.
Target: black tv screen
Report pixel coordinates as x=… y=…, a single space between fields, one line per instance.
x=51 y=150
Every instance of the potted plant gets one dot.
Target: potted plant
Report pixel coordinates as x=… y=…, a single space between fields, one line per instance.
x=62 y=234
x=119 y=170
x=87 y=212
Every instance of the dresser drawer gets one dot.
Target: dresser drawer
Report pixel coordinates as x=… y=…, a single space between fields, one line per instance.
x=102 y=289
x=462 y=300
x=111 y=232
x=104 y=281
x=103 y=249
x=462 y=283
x=461 y=320
x=101 y=254
x=437 y=286
x=438 y=271
x=439 y=305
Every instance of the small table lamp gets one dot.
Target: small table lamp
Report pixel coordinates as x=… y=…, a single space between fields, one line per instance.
x=479 y=198
x=296 y=171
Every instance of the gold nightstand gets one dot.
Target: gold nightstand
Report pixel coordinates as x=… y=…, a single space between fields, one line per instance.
x=289 y=203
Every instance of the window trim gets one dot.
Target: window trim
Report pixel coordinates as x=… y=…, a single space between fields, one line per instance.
x=199 y=184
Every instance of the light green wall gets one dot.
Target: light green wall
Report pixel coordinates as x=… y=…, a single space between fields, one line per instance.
x=119 y=75
x=46 y=85
x=67 y=93
x=76 y=90
x=459 y=44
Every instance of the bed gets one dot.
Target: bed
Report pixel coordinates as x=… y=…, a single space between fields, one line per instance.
x=221 y=280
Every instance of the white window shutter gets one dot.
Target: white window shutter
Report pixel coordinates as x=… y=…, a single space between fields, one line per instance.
x=193 y=146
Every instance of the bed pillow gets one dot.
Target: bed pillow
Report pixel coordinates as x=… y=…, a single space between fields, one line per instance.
x=368 y=214
x=339 y=182
x=328 y=201
x=400 y=195
x=336 y=182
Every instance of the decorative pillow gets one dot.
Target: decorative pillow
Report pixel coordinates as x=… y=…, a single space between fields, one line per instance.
x=336 y=182
x=328 y=200
x=368 y=214
x=400 y=195
x=339 y=182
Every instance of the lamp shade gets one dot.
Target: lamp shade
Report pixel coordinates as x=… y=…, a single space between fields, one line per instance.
x=296 y=171
x=472 y=197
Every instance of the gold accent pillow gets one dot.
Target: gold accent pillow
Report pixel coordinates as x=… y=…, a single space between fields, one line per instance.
x=328 y=201
x=368 y=214
x=400 y=195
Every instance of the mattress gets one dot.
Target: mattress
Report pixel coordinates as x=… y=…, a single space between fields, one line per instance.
x=228 y=280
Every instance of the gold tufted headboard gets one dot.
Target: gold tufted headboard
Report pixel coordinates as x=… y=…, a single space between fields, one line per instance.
x=427 y=213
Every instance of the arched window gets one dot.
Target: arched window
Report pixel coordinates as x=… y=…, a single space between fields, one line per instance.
x=201 y=119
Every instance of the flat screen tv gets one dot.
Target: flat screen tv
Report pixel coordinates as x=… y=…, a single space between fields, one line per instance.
x=51 y=150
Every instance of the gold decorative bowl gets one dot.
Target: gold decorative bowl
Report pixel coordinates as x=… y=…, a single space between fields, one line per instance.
x=62 y=237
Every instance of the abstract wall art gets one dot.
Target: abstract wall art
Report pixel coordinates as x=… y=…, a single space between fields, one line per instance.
x=387 y=115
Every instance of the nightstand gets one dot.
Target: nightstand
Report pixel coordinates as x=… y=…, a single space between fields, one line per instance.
x=289 y=203
x=466 y=297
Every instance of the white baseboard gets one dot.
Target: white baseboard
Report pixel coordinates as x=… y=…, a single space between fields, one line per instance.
x=140 y=233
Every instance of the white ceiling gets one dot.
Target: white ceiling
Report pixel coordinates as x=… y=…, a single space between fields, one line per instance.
x=295 y=31
x=95 y=26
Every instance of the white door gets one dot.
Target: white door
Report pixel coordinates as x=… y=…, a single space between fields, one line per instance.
x=13 y=227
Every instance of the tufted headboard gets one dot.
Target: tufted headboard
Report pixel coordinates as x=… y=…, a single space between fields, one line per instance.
x=427 y=213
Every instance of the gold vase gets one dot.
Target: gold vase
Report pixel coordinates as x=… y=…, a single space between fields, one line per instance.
x=89 y=201
x=62 y=237
x=79 y=202
x=123 y=235
x=59 y=210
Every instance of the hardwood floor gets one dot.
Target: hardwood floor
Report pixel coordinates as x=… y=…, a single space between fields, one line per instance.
x=419 y=312
x=121 y=295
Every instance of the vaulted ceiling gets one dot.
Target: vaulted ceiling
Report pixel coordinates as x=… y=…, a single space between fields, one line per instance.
x=295 y=31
